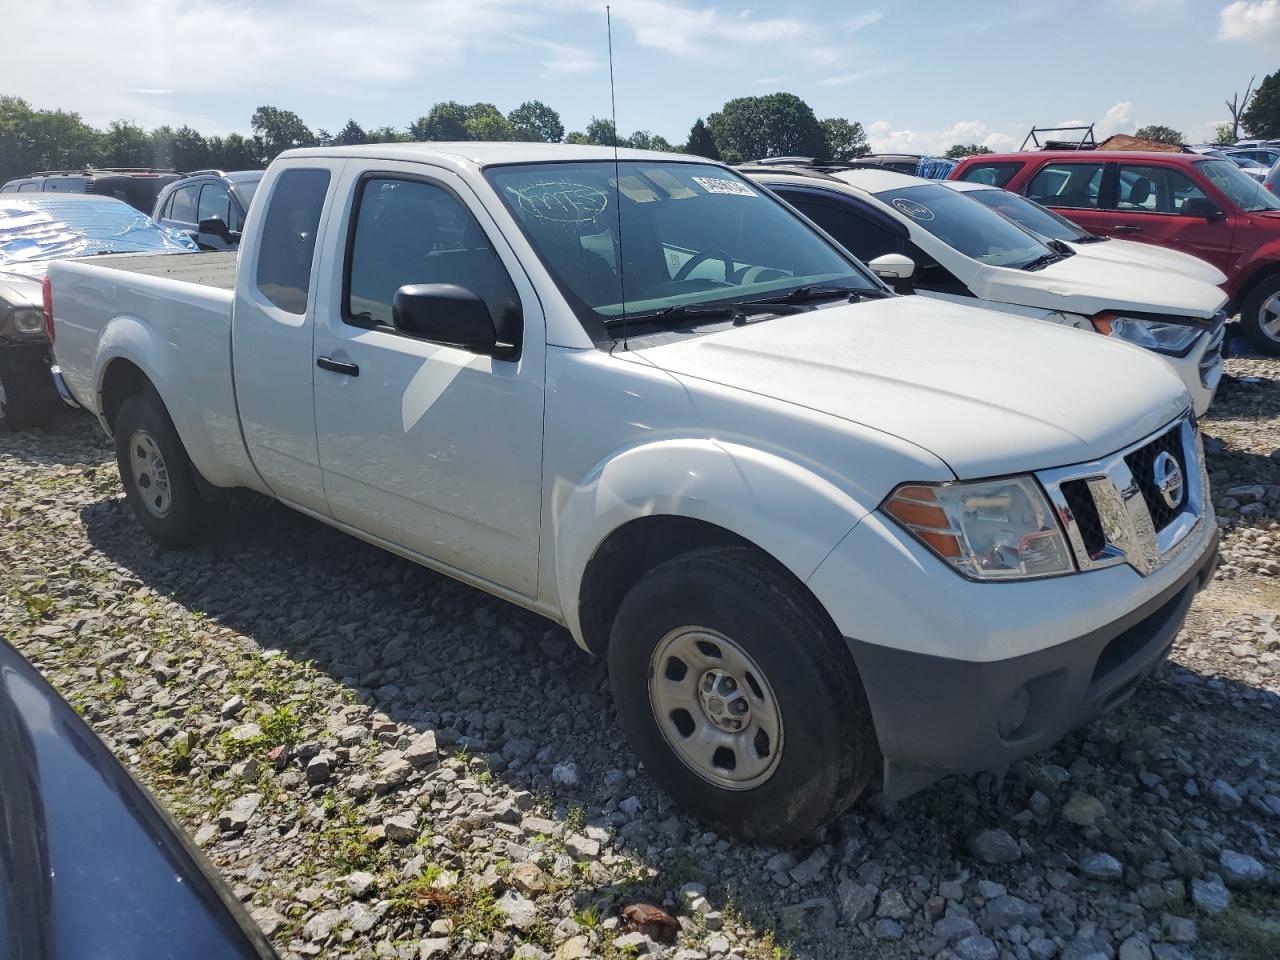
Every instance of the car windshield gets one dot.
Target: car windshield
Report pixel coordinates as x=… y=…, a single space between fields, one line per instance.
x=244 y=189
x=1243 y=190
x=967 y=226
x=78 y=225
x=692 y=235
x=1030 y=215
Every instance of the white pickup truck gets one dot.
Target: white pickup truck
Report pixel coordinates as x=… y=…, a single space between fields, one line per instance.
x=818 y=530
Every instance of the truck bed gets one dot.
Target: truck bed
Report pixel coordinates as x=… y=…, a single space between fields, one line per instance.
x=217 y=270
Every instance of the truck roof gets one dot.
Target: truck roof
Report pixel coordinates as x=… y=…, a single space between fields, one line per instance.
x=486 y=153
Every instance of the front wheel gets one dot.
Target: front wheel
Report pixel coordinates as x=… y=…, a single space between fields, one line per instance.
x=158 y=477
x=740 y=697
x=1260 y=316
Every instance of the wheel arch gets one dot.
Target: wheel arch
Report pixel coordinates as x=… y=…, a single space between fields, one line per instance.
x=1260 y=274
x=121 y=379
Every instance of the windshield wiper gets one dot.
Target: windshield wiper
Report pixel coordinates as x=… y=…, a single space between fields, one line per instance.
x=1039 y=263
x=819 y=291
x=675 y=314
x=1090 y=238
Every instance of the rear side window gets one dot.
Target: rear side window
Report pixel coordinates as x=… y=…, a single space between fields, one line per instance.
x=993 y=174
x=1074 y=185
x=183 y=208
x=29 y=188
x=214 y=202
x=288 y=239
x=1154 y=189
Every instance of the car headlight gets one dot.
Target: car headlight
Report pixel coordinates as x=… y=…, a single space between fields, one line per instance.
x=1159 y=335
x=987 y=530
x=24 y=322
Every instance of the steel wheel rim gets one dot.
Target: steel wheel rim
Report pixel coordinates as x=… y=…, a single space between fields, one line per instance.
x=715 y=708
x=1269 y=317
x=150 y=475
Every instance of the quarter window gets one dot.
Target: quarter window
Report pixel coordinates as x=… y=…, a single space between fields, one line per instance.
x=1074 y=185
x=993 y=174
x=408 y=231
x=1154 y=189
x=214 y=202
x=183 y=208
x=288 y=240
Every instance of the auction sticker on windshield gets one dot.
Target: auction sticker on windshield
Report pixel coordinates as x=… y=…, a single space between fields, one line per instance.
x=914 y=210
x=719 y=185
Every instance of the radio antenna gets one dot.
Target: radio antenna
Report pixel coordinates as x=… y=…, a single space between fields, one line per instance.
x=617 y=177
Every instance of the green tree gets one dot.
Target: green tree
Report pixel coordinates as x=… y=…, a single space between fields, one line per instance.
x=700 y=142
x=534 y=121
x=603 y=132
x=779 y=124
x=190 y=150
x=387 y=134
x=844 y=140
x=350 y=134
x=276 y=130
x=43 y=140
x=162 y=147
x=234 y=152
x=1262 y=118
x=126 y=144
x=445 y=121
x=958 y=150
x=1159 y=133
x=1224 y=135
x=486 y=122
x=577 y=136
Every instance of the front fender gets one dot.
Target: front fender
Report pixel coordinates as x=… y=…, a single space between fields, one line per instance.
x=783 y=508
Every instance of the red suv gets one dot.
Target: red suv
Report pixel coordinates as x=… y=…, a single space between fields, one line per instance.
x=1198 y=204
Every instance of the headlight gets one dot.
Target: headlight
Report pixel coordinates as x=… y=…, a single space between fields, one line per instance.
x=988 y=529
x=1158 y=335
x=24 y=322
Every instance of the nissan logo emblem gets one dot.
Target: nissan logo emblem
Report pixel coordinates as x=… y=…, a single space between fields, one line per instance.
x=1168 y=480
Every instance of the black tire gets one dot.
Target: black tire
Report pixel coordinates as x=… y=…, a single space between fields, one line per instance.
x=24 y=401
x=1253 y=319
x=187 y=519
x=828 y=749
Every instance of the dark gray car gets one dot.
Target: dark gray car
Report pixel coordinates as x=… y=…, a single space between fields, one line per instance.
x=209 y=206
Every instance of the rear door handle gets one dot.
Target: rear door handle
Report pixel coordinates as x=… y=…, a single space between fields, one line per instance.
x=1127 y=228
x=337 y=366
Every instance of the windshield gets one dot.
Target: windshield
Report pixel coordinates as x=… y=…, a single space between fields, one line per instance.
x=77 y=225
x=692 y=235
x=1030 y=215
x=967 y=225
x=1243 y=190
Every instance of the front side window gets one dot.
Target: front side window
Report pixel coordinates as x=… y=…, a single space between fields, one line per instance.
x=1154 y=189
x=183 y=208
x=288 y=240
x=1244 y=191
x=993 y=174
x=864 y=239
x=214 y=202
x=966 y=225
x=410 y=231
x=1067 y=185
x=663 y=234
x=1030 y=215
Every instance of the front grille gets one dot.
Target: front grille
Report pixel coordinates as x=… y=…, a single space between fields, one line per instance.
x=1085 y=513
x=1141 y=463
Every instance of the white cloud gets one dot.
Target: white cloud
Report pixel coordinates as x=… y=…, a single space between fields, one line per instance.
x=1119 y=119
x=885 y=138
x=863 y=20
x=1252 y=21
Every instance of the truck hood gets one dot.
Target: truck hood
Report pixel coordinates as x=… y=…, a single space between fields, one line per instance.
x=19 y=289
x=987 y=393
x=1089 y=285
x=1149 y=255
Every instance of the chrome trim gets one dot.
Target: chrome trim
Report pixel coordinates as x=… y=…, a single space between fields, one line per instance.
x=63 y=390
x=1128 y=531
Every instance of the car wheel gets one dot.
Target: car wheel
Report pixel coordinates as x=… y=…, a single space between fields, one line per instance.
x=22 y=405
x=158 y=477
x=740 y=696
x=1260 y=316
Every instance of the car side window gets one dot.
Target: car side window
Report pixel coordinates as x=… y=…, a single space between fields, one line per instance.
x=183 y=207
x=1068 y=184
x=861 y=237
x=288 y=240
x=29 y=188
x=1154 y=189
x=994 y=174
x=214 y=202
x=410 y=231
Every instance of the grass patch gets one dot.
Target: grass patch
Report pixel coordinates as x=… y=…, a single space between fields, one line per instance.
x=1242 y=930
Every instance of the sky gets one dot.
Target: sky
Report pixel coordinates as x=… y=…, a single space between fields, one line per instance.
x=919 y=76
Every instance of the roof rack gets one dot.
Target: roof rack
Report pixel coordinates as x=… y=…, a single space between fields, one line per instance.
x=205 y=173
x=784 y=162
x=790 y=170
x=1086 y=141
x=91 y=170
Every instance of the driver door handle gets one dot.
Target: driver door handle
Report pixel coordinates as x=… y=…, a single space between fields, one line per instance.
x=337 y=366
x=1127 y=228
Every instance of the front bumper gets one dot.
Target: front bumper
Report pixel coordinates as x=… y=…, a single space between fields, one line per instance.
x=936 y=715
x=1201 y=369
x=25 y=366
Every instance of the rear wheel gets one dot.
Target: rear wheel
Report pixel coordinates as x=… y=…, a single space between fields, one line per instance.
x=740 y=697
x=1260 y=316
x=158 y=477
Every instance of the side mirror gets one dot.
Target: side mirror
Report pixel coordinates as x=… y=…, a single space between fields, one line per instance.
x=893 y=266
x=214 y=227
x=1201 y=207
x=449 y=314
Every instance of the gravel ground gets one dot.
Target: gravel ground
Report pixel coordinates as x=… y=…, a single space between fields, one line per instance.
x=384 y=763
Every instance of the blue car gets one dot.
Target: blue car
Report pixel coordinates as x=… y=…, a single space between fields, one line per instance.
x=36 y=229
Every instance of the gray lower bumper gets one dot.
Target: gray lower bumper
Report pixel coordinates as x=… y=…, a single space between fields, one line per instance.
x=937 y=716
